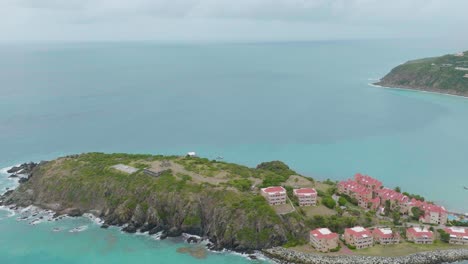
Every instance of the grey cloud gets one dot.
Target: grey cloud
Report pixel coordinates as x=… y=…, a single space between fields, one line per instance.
x=226 y=19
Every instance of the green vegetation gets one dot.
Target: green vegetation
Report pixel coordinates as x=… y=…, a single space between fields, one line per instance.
x=417 y=213
x=342 y=201
x=241 y=184
x=334 y=222
x=438 y=74
x=444 y=236
x=329 y=202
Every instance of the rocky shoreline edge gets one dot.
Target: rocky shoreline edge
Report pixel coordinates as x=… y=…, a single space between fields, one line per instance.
x=283 y=255
x=420 y=89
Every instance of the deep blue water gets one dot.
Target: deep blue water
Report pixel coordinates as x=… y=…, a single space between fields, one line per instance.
x=308 y=104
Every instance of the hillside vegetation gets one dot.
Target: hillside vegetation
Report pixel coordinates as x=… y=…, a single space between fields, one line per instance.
x=445 y=74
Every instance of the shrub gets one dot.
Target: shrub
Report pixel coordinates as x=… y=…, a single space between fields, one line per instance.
x=329 y=202
x=342 y=201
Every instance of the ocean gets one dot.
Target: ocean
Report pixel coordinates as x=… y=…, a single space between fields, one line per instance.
x=308 y=104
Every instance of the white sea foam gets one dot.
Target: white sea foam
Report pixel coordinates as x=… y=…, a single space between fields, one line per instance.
x=93 y=218
x=78 y=229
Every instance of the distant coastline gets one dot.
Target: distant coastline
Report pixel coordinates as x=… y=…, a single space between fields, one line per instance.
x=447 y=74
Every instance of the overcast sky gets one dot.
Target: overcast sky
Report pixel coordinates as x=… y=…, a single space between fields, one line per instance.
x=230 y=20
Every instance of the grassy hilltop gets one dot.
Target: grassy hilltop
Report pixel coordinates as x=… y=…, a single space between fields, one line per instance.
x=443 y=74
x=209 y=198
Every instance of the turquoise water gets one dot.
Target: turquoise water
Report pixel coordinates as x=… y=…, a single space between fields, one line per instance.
x=308 y=104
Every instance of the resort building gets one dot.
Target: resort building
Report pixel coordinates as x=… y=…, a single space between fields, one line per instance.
x=368 y=181
x=354 y=190
x=274 y=195
x=433 y=214
x=306 y=196
x=458 y=235
x=324 y=240
x=359 y=237
x=395 y=198
x=420 y=235
x=385 y=236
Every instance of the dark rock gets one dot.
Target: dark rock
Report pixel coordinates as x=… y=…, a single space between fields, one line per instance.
x=193 y=240
x=105 y=226
x=155 y=230
x=130 y=229
x=14 y=169
x=13 y=176
x=174 y=232
x=72 y=212
x=23 y=180
x=163 y=236
x=253 y=257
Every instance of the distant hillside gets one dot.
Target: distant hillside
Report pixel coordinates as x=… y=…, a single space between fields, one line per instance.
x=446 y=74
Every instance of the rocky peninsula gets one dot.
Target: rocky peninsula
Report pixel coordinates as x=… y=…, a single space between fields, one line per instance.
x=173 y=195
x=447 y=74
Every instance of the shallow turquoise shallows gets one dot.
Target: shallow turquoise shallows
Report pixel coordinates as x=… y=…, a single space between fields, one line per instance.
x=308 y=104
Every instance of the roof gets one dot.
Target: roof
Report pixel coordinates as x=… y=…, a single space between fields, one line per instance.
x=358 y=231
x=367 y=180
x=305 y=191
x=420 y=232
x=457 y=232
x=383 y=232
x=323 y=233
x=274 y=189
x=355 y=187
x=392 y=195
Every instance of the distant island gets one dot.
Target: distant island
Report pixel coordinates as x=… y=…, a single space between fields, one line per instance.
x=290 y=217
x=447 y=74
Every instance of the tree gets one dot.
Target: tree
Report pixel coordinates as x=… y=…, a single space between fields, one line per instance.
x=398 y=189
x=387 y=207
x=396 y=216
x=329 y=202
x=444 y=236
x=342 y=201
x=417 y=212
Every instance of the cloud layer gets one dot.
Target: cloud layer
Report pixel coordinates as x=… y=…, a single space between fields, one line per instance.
x=227 y=20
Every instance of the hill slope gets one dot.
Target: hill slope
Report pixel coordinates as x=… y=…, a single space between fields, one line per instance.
x=446 y=74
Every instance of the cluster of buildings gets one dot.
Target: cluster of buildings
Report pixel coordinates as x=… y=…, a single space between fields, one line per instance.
x=359 y=237
x=277 y=195
x=371 y=194
x=322 y=239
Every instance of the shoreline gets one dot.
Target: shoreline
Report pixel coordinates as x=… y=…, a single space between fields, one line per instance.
x=406 y=88
x=283 y=255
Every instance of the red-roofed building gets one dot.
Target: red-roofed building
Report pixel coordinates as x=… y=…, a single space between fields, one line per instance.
x=458 y=235
x=274 y=195
x=367 y=181
x=433 y=214
x=385 y=236
x=395 y=198
x=359 y=192
x=359 y=237
x=306 y=196
x=420 y=235
x=323 y=239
